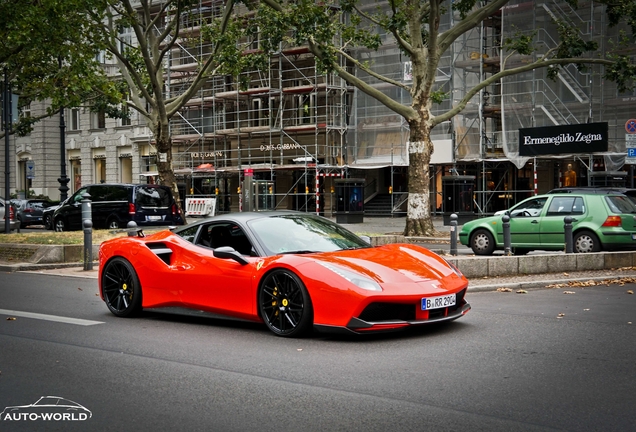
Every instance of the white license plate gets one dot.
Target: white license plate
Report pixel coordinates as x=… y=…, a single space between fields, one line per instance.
x=633 y=236
x=154 y=218
x=429 y=303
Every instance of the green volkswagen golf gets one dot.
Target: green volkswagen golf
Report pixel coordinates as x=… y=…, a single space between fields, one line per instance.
x=600 y=221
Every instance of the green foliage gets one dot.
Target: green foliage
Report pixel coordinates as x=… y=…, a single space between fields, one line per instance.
x=522 y=43
x=439 y=96
x=464 y=7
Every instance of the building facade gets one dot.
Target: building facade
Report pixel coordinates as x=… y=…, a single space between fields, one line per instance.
x=298 y=131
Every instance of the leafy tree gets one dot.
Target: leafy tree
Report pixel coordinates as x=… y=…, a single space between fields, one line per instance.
x=415 y=28
x=140 y=36
x=48 y=48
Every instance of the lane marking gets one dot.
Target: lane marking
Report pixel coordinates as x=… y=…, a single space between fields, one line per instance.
x=45 y=317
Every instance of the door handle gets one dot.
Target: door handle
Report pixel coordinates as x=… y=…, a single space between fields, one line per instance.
x=535 y=221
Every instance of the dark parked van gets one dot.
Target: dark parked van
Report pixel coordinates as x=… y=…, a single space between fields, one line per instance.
x=114 y=205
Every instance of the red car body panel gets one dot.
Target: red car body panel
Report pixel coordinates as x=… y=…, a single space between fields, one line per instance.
x=198 y=280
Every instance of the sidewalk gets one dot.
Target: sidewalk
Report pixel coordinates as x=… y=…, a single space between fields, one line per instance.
x=394 y=227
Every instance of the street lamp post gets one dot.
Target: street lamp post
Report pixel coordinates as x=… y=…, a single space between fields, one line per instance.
x=6 y=117
x=63 y=180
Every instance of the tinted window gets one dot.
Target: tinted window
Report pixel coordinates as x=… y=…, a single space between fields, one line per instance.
x=189 y=233
x=563 y=206
x=153 y=197
x=117 y=193
x=620 y=204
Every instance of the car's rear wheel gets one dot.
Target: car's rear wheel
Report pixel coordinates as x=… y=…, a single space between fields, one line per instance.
x=60 y=225
x=121 y=288
x=284 y=304
x=48 y=222
x=586 y=241
x=114 y=223
x=482 y=242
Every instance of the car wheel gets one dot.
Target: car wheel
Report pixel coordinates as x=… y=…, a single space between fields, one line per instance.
x=284 y=304
x=113 y=224
x=48 y=222
x=586 y=241
x=60 y=225
x=121 y=288
x=482 y=242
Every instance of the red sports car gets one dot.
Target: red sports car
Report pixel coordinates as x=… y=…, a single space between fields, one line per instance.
x=293 y=271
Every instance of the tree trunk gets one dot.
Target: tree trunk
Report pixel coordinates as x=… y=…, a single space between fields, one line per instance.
x=418 y=216
x=165 y=168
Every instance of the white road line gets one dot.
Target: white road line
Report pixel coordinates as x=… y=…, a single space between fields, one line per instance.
x=55 y=318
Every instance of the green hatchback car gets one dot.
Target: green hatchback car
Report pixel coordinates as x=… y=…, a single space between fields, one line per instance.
x=600 y=221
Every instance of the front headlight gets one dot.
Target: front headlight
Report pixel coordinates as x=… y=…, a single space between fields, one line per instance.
x=355 y=278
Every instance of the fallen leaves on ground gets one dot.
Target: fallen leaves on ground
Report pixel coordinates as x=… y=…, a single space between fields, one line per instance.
x=561 y=315
x=569 y=292
x=607 y=282
x=630 y=292
x=504 y=290
x=521 y=291
x=10 y=318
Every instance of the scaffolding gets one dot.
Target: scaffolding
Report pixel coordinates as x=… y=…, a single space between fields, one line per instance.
x=296 y=128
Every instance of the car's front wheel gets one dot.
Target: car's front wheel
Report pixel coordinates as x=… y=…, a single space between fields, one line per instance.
x=284 y=304
x=60 y=225
x=482 y=242
x=586 y=241
x=121 y=288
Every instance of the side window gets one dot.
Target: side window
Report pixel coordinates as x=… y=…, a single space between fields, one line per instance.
x=225 y=234
x=98 y=193
x=531 y=208
x=579 y=206
x=78 y=195
x=189 y=234
x=561 y=206
x=117 y=193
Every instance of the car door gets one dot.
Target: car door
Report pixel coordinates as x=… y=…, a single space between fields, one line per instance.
x=215 y=284
x=72 y=210
x=552 y=224
x=524 y=222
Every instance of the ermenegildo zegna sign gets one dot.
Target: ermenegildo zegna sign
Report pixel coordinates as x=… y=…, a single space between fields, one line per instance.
x=576 y=138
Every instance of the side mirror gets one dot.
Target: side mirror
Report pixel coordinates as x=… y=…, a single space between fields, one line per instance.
x=365 y=238
x=225 y=252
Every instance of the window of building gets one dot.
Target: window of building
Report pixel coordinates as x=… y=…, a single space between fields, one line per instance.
x=74 y=119
x=98 y=120
x=100 y=170
x=125 y=121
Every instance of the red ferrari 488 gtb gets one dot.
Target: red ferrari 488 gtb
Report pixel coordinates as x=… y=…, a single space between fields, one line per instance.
x=292 y=271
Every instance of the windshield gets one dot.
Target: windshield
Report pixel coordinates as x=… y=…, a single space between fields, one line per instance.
x=303 y=234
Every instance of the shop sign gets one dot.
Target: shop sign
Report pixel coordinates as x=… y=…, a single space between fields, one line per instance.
x=581 y=138
x=630 y=144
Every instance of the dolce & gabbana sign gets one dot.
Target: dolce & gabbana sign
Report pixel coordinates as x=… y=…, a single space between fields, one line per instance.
x=567 y=139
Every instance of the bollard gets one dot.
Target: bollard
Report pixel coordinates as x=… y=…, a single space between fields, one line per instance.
x=506 y=235
x=87 y=212
x=569 y=242
x=453 y=234
x=88 y=244
x=131 y=225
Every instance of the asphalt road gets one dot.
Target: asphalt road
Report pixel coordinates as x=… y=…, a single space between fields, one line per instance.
x=511 y=364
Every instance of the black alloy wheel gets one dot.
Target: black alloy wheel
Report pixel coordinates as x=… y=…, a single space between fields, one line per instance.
x=284 y=304
x=121 y=288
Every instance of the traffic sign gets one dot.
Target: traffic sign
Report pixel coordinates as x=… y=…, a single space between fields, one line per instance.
x=630 y=126
x=30 y=169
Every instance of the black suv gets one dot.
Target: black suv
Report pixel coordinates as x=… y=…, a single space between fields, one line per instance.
x=114 y=205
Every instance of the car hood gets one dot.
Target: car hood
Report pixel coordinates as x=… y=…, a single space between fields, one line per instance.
x=393 y=264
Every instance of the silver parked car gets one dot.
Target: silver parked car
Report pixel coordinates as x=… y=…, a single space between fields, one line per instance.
x=6 y=209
